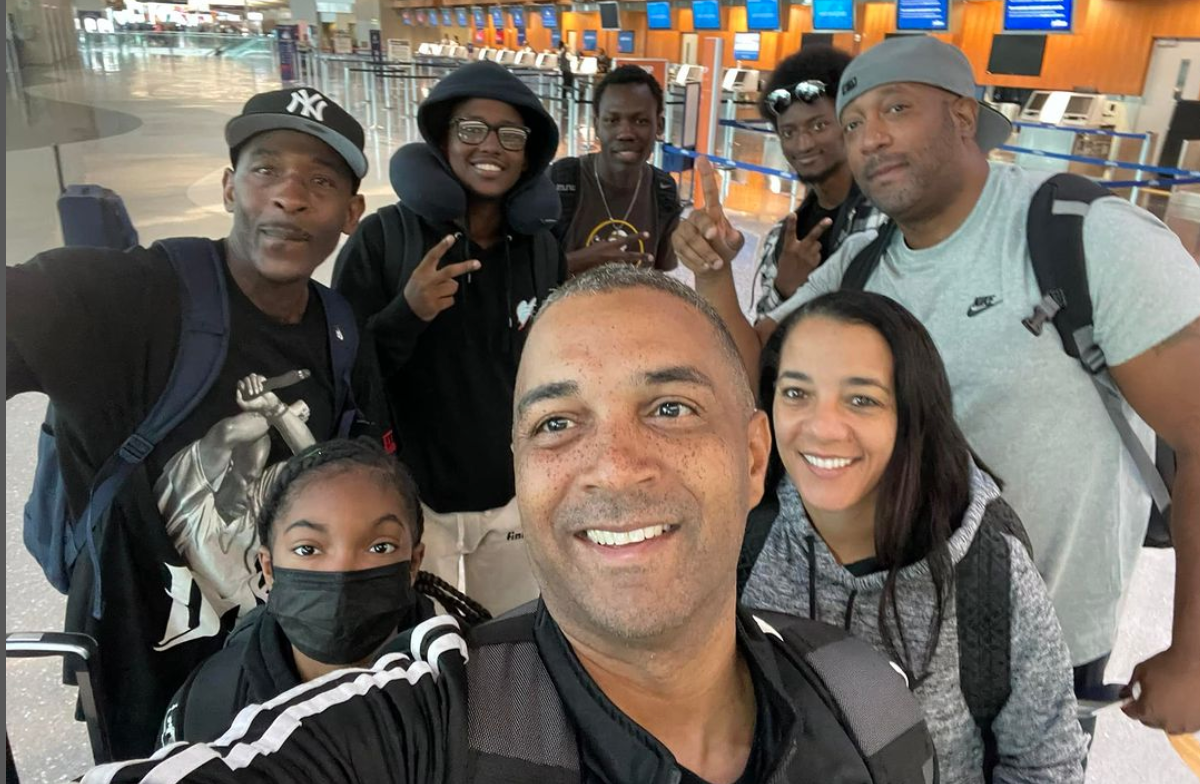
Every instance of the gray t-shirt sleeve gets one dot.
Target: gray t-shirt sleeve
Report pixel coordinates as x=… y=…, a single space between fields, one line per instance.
x=828 y=276
x=1145 y=286
x=1037 y=732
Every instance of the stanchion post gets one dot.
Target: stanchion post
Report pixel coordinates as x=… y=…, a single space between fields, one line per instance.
x=1142 y=155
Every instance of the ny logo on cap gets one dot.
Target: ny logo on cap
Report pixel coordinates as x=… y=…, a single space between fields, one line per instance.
x=850 y=84
x=308 y=105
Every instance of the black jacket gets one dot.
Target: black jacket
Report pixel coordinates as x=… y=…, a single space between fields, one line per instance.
x=450 y=381
x=534 y=714
x=256 y=665
x=97 y=331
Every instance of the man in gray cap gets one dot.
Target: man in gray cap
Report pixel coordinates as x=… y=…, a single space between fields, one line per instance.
x=958 y=257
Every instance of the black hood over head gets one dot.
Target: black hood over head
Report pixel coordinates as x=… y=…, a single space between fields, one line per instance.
x=421 y=175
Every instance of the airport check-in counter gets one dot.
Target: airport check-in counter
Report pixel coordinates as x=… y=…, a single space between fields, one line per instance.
x=1085 y=111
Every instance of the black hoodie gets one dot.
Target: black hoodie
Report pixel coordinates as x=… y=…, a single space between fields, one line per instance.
x=450 y=381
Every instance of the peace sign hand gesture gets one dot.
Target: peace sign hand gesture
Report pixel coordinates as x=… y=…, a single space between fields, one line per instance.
x=799 y=257
x=431 y=289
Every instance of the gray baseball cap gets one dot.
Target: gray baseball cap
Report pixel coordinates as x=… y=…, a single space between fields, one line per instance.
x=925 y=60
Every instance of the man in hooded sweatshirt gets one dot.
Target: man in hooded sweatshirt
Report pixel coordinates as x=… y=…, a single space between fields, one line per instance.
x=446 y=281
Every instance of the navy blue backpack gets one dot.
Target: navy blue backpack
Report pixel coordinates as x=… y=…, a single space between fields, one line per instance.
x=52 y=534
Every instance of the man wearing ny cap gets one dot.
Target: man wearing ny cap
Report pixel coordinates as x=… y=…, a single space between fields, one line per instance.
x=917 y=142
x=97 y=330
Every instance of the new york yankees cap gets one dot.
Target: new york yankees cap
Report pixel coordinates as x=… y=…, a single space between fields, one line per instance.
x=300 y=109
x=925 y=60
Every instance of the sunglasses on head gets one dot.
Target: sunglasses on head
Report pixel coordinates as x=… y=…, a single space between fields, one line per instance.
x=808 y=91
x=512 y=137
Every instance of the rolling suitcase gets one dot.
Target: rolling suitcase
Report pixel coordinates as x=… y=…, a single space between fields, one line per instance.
x=95 y=217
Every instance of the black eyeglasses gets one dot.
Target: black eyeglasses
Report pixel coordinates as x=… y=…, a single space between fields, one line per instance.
x=512 y=137
x=779 y=100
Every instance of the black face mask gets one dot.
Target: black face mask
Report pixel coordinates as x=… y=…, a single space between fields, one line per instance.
x=340 y=617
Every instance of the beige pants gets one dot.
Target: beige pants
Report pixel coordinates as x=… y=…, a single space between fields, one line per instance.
x=482 y=554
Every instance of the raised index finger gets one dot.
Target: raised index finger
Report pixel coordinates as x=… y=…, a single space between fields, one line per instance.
x=710 y=187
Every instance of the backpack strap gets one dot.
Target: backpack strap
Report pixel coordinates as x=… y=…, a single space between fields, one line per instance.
x=862 y=266
x=983 y=609
x=518 y=729
x=565 y=176
x=203 y=344
x=1054 y=227
x=869 y=694
x=343 y=349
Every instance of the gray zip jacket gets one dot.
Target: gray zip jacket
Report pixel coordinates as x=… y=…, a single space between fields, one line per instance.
x=1037 y=732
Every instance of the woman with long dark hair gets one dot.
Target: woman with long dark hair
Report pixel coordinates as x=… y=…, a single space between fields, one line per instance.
x=882 y=520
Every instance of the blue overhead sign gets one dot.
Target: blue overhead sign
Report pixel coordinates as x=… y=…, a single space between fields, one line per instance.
x=462 y=17
x=625 y=42
x=518 y=17
x=1038 y=16
x=549 y=17
x=925 y=15
x=834 y=15
x=658 y=15
x=762 y=14
x=498 y=18
x=447 y=17
x=478 y=14
x=589 y=40
x=706 y=15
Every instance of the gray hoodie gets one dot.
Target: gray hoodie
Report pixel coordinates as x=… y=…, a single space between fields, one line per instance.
x=1037 y=733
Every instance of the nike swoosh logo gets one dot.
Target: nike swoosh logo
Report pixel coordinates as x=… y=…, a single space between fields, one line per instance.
x=979 y=307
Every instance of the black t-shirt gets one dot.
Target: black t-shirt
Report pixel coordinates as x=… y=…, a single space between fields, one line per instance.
x=97 y=331
x=807 y=219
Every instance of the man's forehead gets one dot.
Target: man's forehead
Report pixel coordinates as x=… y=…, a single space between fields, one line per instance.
x=618 y=332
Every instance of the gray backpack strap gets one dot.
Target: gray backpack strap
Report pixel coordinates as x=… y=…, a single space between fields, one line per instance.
x=1054 y=226
x=869 y=694
x=517 y=729
x=983 y=583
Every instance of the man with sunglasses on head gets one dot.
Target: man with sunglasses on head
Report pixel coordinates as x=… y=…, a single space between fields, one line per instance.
x=799 y=103
x=445 y=282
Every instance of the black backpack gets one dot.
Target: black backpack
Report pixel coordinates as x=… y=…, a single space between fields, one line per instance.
x=97 y=218
x=565 y=174
x=519 y=730
x=1054 y=228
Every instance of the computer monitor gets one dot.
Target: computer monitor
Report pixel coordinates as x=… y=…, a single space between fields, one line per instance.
x=763 y=15
x=923 y=15
x=1039 y=16
x=706 y=15
x=658 y=15
x=833 y=15
x=610 y=16
x=1017 y=55
x=746 y=46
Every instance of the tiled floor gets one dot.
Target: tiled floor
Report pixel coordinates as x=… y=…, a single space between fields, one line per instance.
x=151 y=129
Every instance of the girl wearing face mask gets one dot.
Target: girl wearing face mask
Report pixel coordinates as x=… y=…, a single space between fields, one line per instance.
x=341 y=552
x=886 y=524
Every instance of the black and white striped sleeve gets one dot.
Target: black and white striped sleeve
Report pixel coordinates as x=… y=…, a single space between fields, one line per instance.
x=403 y=720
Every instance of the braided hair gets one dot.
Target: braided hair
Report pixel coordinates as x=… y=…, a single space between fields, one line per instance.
x=340 y=455
x=457 y=603
x=333 y=457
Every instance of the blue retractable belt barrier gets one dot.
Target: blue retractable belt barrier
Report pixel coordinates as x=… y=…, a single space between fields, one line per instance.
x=1084 y=131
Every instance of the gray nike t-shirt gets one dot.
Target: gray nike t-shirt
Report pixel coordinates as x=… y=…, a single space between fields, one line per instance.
x=1027 y=408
